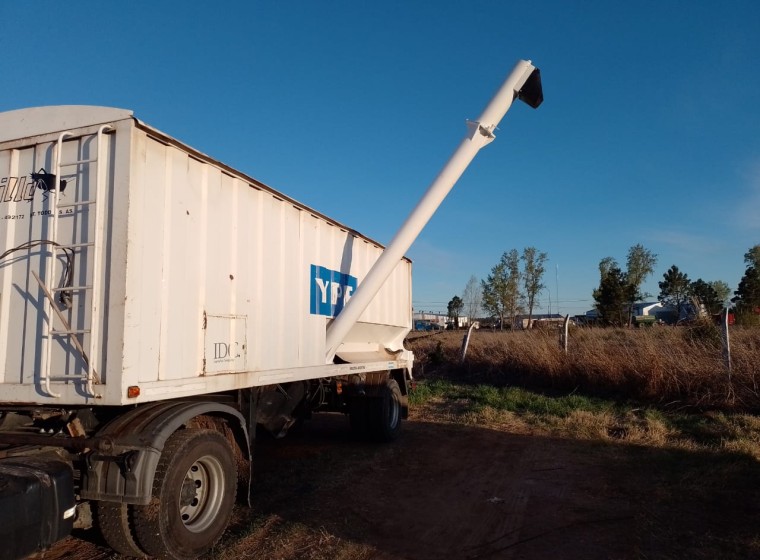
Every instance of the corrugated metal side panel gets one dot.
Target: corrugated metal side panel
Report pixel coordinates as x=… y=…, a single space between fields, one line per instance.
x=396 y=290
x=205 y=272
x=165 y=262
x=20 y=204
x=114 y=261
x=26 y=216
x=219 y=275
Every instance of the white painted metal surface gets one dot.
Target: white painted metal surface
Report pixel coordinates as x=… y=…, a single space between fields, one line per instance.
x=206 y=280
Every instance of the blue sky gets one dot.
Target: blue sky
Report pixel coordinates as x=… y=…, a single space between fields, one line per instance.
x=648 y=132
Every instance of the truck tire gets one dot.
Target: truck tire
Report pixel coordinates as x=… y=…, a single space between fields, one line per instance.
x=358 y=416
x=117 y=528
x=384 y=413
x=193 y=496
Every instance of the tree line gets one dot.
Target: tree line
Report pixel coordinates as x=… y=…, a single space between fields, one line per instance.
x=619 y=289
x=515 y=282
x=510 y=290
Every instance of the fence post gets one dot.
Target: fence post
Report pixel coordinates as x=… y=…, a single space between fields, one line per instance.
x=726 y=343
x=466 y=343
x=563 y=334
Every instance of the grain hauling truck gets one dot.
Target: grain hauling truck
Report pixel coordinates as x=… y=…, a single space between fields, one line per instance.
x=156 y=306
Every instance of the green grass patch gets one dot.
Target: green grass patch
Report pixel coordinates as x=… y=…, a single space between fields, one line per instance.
x=426 y=391
x=585 y=417
x=512 y=399
x=522 y=401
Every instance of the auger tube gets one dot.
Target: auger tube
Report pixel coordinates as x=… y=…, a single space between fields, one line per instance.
x=524 y=82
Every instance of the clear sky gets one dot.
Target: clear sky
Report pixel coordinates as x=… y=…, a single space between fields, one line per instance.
x=649 y=132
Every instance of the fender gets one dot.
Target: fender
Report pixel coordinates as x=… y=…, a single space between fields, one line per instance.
x=371 y=383
x=123 y=468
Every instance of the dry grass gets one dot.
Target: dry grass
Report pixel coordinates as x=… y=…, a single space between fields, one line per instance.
x=275 y=538
x=672 y=367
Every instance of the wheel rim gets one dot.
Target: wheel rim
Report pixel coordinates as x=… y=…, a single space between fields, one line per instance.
x=202 y=493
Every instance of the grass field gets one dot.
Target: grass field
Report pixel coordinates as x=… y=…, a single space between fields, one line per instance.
x=674 y=368
x=664 y=387
x=659 y=403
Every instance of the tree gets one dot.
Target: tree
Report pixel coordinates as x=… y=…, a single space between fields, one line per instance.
x=614 y=283
x=472 y=298
x=640 y=264
x=675 y=289
x=455 y=308
x=748 y=291
x=501 y=290
x=722 y=290
x=613 y=294
x=752 y=257
x=607 y=264
x=705 y=294
x=747 y=295
x=512 y=294
x=533 y=272
x=492 y=286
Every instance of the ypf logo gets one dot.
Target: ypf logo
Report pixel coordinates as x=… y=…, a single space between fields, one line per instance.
x=330 y=290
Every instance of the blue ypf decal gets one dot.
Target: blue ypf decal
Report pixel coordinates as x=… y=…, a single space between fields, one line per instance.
x=330 y=290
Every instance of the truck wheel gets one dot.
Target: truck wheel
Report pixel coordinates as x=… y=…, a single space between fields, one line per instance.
x=384 y=413
x=358 y=416
x=116 y=527
x=193 y=496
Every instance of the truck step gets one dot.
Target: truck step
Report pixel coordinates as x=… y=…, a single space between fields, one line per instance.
x=77 y=203
x=69 y=332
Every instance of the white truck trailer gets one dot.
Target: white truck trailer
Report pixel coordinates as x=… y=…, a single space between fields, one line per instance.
x=156 y=306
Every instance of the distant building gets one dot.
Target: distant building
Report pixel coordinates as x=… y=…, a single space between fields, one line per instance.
x=429 y=320
x=540 y=320
x=649 y=308
x=643 y=312
x=463 y=322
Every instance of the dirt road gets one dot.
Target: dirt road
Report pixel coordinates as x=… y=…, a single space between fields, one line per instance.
x=447 y=492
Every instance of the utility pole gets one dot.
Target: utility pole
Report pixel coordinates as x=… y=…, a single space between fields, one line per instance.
x=556 y=284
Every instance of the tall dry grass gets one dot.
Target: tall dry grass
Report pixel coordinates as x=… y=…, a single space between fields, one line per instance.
x=671 y=366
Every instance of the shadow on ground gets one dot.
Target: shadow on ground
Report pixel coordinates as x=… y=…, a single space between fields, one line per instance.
x=463 y=492
x=451 y=492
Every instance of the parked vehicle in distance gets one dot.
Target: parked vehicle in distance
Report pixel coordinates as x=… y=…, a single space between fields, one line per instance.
x=427 y=325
